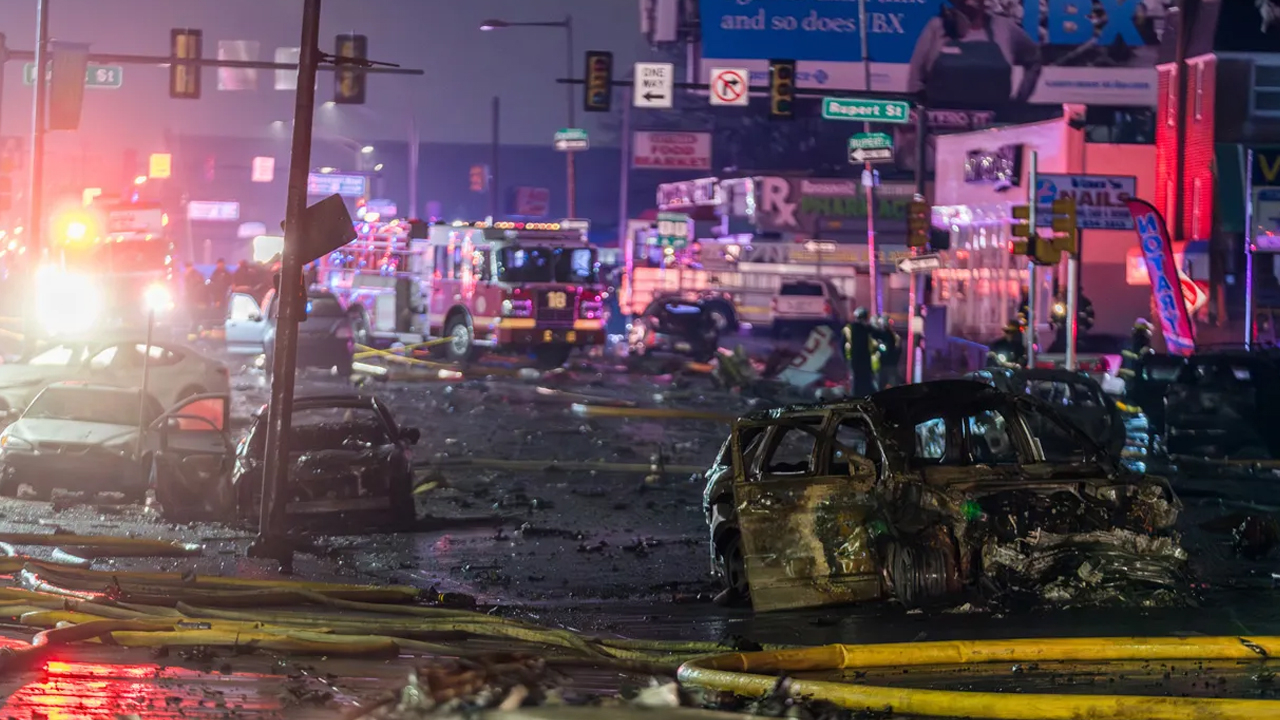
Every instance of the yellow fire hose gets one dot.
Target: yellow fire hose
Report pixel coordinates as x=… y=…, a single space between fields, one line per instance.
x=756 y=674
x=589 y=411
x=103 y=545
x=365 y=351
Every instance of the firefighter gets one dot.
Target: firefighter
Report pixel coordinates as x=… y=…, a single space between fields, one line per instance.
x=219 y=285
x=1010 y=350
x=890 y=351
x=858 y=343
x=1139 y=346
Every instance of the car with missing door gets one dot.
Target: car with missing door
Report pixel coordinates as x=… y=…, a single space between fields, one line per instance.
x=925 y=493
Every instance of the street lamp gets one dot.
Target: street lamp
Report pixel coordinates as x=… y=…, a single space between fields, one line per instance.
x=367 y=149
x=567 y=24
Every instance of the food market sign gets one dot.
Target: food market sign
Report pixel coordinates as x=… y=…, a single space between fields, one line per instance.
x=1100 y=199
x=671 y=150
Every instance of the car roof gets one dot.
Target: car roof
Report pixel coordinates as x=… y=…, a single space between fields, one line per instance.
x=343 y=400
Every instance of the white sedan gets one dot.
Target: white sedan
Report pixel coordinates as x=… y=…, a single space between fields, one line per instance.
x=175 y=371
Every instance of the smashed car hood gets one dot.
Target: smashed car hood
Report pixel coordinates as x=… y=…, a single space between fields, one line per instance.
x=49 y=430
x=342 y=473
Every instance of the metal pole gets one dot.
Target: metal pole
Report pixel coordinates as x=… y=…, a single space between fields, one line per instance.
x=269 y=542
x=570 y=173
x=1032 y=175
x=415 y=146
x=1073 y=301
x=494 y=144
x=35 y=214
x=146 y=376
x=1248 y=249
x=868 y=176
x=915 y=279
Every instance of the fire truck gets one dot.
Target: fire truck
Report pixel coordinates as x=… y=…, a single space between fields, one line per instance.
x=513 y=286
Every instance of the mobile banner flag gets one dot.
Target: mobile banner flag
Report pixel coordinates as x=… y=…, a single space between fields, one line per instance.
x=1166 y=288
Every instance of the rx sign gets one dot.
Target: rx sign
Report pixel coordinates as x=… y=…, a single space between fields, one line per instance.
x=729 y=86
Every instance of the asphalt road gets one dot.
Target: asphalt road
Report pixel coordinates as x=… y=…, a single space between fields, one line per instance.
x=625 y=552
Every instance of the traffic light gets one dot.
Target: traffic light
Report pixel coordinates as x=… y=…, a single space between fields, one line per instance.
x=349 y=78
x=782 y=88
x=1021 y=228
x=919 y=223
x=1064 y=225
x=598 y=96
x=479 y=178
x=184 y=78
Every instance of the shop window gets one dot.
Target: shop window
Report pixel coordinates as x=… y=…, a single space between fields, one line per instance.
x=1171 y=100
x=1266 y=89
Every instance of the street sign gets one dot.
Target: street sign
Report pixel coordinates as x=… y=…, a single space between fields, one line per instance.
x=571 y=139
x=889 y=111
x=334 y=184
x=263 y=169
x=1099 y=199
x=919 y=263
x=160 y=166
x=729 y=86
x=673 y=229
x=654 y=85
x=212 y=210
x=858 y=155
x=871 y=141
x=105 y=77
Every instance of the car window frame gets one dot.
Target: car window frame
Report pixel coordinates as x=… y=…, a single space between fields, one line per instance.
x=875 y=451
x=1012 y=428
x=776 y=432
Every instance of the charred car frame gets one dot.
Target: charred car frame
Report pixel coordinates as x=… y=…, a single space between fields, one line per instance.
x=926 y=492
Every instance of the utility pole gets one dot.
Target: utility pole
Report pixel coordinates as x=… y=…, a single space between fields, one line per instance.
x=869 y=175
x=415 y=147
x=35 y=213
x=494 y=145
x=1032 y=268
x=571 y=172
x=270 y=541
x=1249 y=233
x=916 y=280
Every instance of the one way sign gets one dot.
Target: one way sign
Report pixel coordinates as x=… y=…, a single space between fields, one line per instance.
x=654 y=85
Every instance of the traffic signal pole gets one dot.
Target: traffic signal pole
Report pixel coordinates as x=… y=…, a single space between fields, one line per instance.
x=271 y=542
x=868 y=177
x=1073 y=301
x=35 y=212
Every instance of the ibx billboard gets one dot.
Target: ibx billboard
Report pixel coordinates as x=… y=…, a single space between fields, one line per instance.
x=977 y=54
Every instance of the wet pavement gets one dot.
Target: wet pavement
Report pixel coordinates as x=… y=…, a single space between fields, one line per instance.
x=618 y=553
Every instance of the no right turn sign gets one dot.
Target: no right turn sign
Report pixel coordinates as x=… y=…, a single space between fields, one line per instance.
x=729 y=86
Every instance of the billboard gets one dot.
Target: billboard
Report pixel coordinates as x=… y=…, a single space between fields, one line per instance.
x=978 y=54
x=1100 y=199
x=813 y=206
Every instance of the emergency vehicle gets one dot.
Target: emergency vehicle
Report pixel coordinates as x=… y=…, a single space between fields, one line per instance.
x=514 y=286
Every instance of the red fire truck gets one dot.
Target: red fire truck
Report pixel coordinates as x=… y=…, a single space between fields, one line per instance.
x=523 y=287
x=528 y=287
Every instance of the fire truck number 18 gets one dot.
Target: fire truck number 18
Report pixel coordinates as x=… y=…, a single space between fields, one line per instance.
x=556 y=300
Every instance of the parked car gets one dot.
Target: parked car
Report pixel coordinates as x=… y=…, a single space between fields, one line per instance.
x=94 y=438
x=1122 y=430
x=175 y=372
x=325 y=338
x=922 y=492
x=805 y=303
x=348 y=459
x=675 y=326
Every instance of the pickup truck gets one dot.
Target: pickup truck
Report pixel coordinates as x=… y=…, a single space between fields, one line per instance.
x=807 y=303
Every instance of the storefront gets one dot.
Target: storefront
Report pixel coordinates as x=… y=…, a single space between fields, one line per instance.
x=982 y=175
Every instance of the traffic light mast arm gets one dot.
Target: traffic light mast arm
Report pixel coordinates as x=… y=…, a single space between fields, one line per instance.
x=166 y=61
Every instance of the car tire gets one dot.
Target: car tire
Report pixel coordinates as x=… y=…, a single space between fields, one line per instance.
x=550 y=357
x=723 y=315
x=459 y=349
x=404 y=511
x=734 y=579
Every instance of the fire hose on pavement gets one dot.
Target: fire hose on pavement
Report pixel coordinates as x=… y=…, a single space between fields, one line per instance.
x=757 y=674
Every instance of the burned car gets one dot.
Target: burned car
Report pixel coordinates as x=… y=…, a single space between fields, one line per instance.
x=348 y=457
x=671 y=325
x=1121 y=430
x=925 y=493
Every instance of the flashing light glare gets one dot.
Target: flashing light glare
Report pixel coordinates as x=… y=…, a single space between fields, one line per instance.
x=140 y=180
x=377 y=167
x=367 y=150
x=164 y=219
x=330 y=104
x=371 y=217
x=66 y=303
x=13 y=244
x=76 y=230
x=326 y=170
x=157 y=298
x=1059 y=309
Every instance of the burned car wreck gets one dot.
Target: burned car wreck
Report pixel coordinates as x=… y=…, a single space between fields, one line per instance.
x=934 y=493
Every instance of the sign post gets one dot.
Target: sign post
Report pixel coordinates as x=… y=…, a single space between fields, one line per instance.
x=1032 y=178
x=1249 y=233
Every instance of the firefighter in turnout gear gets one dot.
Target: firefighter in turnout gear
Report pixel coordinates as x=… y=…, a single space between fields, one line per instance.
x=1011 y=349
x=858 y=350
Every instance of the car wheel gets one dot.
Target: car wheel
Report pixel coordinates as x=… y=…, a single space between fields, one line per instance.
x=458 y=349
x=734 y=579
x=723 y=316
x=550 y=357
